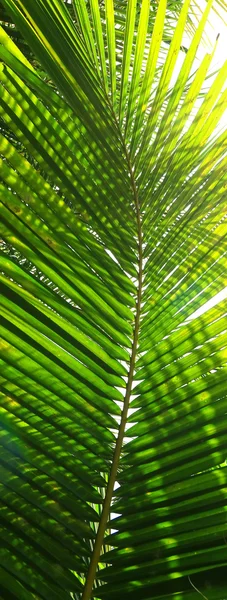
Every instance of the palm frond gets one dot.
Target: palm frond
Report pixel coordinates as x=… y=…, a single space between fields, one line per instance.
x=113 y=221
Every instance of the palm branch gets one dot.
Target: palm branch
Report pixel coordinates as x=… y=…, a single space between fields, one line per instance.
x=113 y=377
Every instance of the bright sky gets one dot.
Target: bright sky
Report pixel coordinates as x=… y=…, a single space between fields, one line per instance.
x=214 y=27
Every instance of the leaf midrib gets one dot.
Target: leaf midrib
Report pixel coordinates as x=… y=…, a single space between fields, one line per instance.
x=86 y=595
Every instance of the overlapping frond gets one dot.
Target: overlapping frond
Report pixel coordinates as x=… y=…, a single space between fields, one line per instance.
x=113 y=228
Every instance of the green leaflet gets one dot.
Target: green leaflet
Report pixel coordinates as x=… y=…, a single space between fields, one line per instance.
x=150 y=71
x=85 y=27
x=139 y=51
x=99 y=38
x=128 y=41
x=110 y=26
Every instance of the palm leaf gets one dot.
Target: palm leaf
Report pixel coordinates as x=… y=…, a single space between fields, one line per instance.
x=113 y=233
